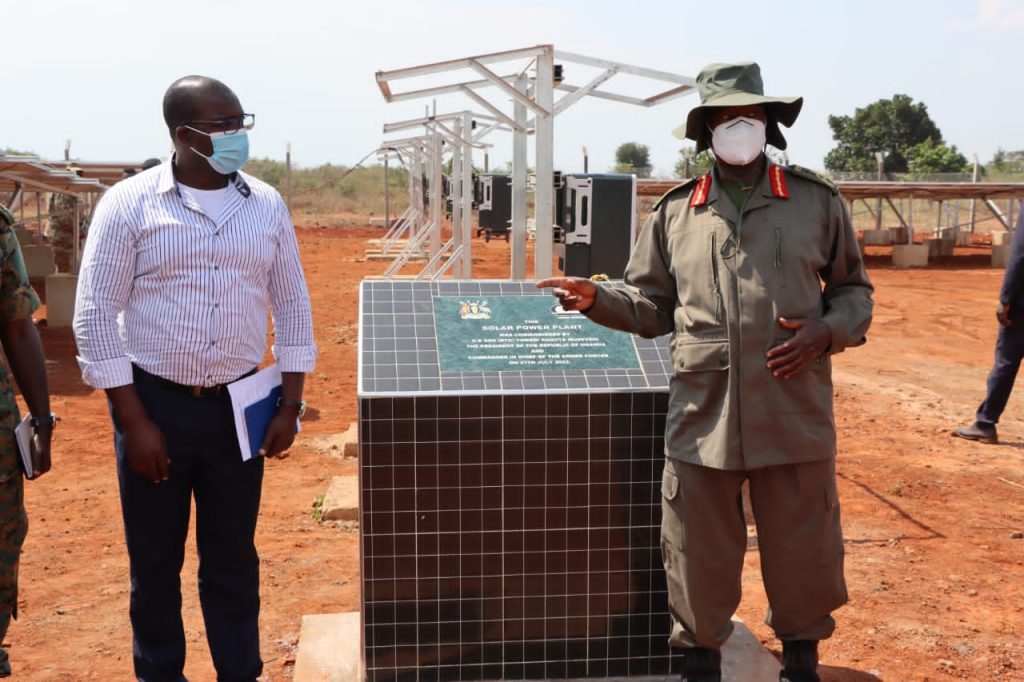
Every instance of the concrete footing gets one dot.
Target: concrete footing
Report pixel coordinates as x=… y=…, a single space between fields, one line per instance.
x=900 y=235
x=878 y=237
x=1000 y=255
x=910 y=255
x=1000 y=237
x=341 y=501
x=24 y=235
x=38 y=260
x=329 y=651
x=940 y=247
x=60 y=299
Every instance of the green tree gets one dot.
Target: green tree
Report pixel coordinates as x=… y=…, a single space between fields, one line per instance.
x=935 y=157
x=1006 y=162
x=692 y=164
x=631 y=157
x=891 y=126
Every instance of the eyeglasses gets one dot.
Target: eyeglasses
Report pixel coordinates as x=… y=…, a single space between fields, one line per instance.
x=229 y=126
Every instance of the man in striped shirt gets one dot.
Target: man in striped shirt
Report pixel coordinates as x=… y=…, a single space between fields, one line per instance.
x=182 y=263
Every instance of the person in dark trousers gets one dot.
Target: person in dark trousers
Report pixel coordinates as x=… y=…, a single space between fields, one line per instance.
x=755 y=271
x=1009 y=346
x=181 y=266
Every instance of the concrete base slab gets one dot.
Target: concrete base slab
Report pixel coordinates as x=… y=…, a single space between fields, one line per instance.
x=1000 y=255
x=1000 y=237
x=345 y=444
x=341 y=501
x=393 y=256
x=940 y=247
x=900 y=235
x=910 y=255
x=351 y=440
x=25 y=235
x=329 y=649
x=878 y=237
x=38 y=260
x=398 y=243
x=60 y=299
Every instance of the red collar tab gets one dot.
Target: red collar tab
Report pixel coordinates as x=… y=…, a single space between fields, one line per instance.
x=778 y=178
x=700 y=192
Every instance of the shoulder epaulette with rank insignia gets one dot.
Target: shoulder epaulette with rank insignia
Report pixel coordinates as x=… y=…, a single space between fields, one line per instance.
x=685 y=186
x=808 y=174
x=6 y=217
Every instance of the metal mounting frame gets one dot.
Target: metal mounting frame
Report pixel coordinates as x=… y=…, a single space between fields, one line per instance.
x=536 y=97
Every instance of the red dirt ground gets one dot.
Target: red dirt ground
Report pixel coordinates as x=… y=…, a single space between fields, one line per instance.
x=935 y=565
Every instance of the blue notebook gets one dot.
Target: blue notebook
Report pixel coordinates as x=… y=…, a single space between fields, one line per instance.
x=257 y=419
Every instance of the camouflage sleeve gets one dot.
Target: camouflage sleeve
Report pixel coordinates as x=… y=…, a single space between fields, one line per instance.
x=17 y=298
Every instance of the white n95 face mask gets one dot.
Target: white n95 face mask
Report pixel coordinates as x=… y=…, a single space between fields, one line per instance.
x=739 y=141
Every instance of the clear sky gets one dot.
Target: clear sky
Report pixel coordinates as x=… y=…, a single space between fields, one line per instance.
x=95 y=72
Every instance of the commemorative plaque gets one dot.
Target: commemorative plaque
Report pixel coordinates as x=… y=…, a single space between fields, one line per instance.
x=510 y=333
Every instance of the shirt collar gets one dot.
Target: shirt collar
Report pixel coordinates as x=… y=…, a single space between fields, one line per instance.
x=167 y=182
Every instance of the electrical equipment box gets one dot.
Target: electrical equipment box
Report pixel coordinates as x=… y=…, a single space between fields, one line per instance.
x=598 y=224
x=494 y=199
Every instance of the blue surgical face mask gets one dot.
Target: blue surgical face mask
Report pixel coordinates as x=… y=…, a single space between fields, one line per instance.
x=230 y=152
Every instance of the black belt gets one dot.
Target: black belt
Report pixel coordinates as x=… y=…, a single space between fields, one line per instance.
x=194 y=391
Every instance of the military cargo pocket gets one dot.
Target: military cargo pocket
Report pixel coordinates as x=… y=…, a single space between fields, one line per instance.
x=671 y=527
x=701 y=357
x=669 y=484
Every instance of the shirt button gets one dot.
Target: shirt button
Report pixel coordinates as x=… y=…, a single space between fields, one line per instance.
x=216 y=267
x=213 y=343
x=216 y=305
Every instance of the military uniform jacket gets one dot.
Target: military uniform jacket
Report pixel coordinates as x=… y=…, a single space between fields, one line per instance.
x=718 y=281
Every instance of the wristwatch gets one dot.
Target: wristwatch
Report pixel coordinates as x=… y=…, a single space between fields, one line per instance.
x=301 y=404
x=48 y=420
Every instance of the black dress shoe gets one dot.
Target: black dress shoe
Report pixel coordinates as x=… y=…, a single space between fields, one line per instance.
x=702 y=665
x=799 y=661
x=979 y=431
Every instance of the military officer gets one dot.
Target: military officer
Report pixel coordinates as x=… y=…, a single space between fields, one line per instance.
x=755 y=271
x=25 y=356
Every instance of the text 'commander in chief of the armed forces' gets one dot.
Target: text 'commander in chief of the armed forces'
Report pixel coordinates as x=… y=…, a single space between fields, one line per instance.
x=755 y=271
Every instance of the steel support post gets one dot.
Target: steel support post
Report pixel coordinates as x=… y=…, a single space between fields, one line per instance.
x=436 y=192
x=455 y=184
x=519 y=141
x=544 y=193
x=467 y=196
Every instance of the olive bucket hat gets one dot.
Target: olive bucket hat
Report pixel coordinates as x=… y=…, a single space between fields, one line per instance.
x=737 y=85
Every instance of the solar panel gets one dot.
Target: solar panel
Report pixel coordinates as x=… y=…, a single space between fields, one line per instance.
x=510 y=517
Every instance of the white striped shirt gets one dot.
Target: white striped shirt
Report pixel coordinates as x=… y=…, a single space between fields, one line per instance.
x=183 y=296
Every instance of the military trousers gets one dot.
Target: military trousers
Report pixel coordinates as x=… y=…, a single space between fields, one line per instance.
x=704 y=541
x=206 y=465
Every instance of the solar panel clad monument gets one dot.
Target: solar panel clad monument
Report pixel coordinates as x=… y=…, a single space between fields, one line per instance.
x=510 y=466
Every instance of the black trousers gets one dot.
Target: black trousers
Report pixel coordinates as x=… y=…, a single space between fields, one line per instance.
x=206 y=464
x=1009 y=351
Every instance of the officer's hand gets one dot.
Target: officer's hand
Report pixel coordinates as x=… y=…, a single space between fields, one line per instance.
x=280 y=433
x=41 y=449
x=1003 y=315
x=574 y=293
x=147 y=451
x=812 y=339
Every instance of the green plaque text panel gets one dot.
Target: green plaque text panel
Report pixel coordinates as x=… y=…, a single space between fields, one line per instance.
x=516 y=333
